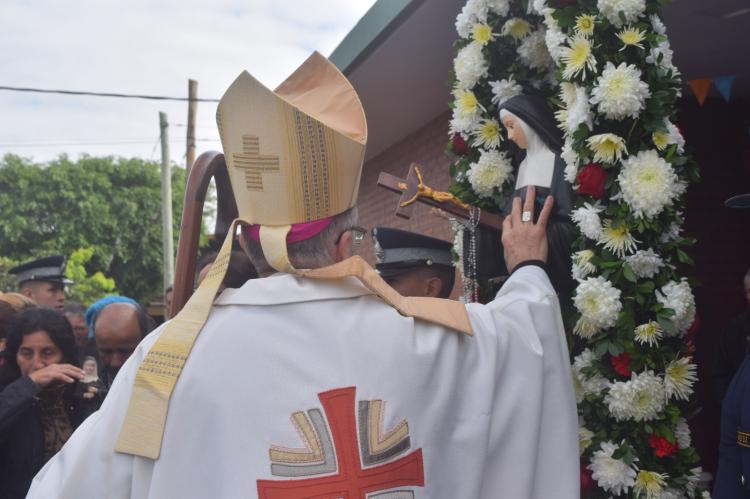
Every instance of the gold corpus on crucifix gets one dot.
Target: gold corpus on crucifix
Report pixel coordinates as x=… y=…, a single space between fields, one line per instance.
x=424 y=191
x=413 y=190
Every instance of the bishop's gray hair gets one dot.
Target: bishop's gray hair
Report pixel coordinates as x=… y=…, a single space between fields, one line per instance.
x=312 y=253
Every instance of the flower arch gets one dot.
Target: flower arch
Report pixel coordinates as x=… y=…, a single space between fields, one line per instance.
x=606 y=67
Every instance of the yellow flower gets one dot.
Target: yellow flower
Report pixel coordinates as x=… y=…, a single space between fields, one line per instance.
x=517 y=28
x=617 y=239
x=631 y=36
x=607 y=147
x=487 y=134
x=466 y=102
x=649 y=333
x=660 y=139
x=585 y=25
x=482 y=34
x=649 y=484
x=578 y=57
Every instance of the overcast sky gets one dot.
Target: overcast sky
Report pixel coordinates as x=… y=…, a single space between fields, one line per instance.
x=145 y=47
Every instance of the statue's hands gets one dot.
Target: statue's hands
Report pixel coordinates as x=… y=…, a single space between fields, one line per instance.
x=524 y=241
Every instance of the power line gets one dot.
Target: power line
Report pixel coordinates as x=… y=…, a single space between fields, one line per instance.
x=102 y=94
x=21 y=145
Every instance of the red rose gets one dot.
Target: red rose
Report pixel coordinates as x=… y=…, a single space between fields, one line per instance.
x=662 y=447
x=621 y=364
x=458 y=145
x=591 y=180
x=587 y=483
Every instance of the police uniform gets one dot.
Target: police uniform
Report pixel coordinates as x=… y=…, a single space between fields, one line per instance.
x=47 y=269
x=733 y=475
x=398 y=252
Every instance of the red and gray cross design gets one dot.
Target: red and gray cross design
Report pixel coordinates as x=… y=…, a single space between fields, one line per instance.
x=355 y=463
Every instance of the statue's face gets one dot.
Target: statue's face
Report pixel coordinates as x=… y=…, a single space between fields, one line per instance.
x=515 y=132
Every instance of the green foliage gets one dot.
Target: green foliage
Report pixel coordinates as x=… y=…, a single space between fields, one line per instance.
x=87 y=288
x=108 y=205
x=7 y=281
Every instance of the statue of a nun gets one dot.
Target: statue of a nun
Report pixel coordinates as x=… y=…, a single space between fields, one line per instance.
x=531 y=125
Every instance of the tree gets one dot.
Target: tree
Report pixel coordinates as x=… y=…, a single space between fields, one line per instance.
x=87 y=288
x=110 y=205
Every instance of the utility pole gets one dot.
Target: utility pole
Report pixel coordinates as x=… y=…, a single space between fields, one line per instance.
x=166 y=203
x=192 y=110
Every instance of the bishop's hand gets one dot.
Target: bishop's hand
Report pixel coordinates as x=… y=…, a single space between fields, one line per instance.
x=523 y=239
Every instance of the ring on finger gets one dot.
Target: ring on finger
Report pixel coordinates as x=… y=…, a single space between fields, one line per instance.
x=526 y=216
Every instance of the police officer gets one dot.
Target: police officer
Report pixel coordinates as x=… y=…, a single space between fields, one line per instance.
x=43 y=280
x=733 y=475
x=413 y=264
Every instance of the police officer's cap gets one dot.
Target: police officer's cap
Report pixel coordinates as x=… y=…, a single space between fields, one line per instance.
x=399 y=251
x=47 y=269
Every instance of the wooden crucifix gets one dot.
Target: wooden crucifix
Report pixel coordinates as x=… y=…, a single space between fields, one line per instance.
x=413 y=189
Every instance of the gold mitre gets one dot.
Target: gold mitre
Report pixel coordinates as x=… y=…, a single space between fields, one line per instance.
x=294 y=155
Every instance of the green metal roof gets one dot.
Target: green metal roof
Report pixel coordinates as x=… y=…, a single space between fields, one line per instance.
x=383 y=17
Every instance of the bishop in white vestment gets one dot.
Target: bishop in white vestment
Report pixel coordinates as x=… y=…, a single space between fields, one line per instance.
x=326 y=383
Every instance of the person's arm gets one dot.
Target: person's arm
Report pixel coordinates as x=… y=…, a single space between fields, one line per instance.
x=14 y=400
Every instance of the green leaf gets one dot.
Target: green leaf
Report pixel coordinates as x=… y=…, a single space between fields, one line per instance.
x=628 y=273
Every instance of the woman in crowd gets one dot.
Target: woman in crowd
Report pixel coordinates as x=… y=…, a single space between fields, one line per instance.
x=38 y=412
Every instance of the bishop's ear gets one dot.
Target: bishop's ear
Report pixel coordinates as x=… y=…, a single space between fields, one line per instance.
x=343 y=248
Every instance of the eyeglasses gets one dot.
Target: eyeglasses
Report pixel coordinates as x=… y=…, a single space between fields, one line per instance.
x=358 y=234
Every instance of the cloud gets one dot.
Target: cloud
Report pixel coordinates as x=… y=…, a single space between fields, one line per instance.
x=151 y=48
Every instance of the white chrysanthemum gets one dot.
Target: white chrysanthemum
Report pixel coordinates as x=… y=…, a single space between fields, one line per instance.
x=662 y=56
x=504 y=89
x=470 y=65
x=607 y=147
x=570 y=157
x=463 y=25
x=639 y=399
x=533 y=50
x=587 y=218
x=516 y=28
x=583 y=384
x=631 y=37
x=585 y=437
x=598 y=302
x=649 y=484
x=499 y=7
x=693 y=480
x=474 y=11
x=682 y=432
x=611 y=474
x=554 y=37
x=657 y=25
x=487 y=134
x=578 y=57
x=645 y=263
x=489 y=173
x=678 y=297
x=631 y=9
x=463 y=124
x=671 y=234
x=648 y=333
x=649 y=183
x=582 y=266
x=539 y=7
x=585 y=24
x=679 y=378
x=577 y=113
x=619 y=91
x=674 y=136
x=617 y=239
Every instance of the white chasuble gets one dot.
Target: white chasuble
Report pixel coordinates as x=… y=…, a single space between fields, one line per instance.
x=301 y=388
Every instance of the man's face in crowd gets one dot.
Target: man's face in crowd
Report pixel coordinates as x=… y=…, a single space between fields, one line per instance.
x=80 y=330
x=117 y=333
x=416 y=282
x=46 y=294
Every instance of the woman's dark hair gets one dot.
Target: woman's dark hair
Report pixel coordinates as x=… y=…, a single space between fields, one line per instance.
x=30 y=321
